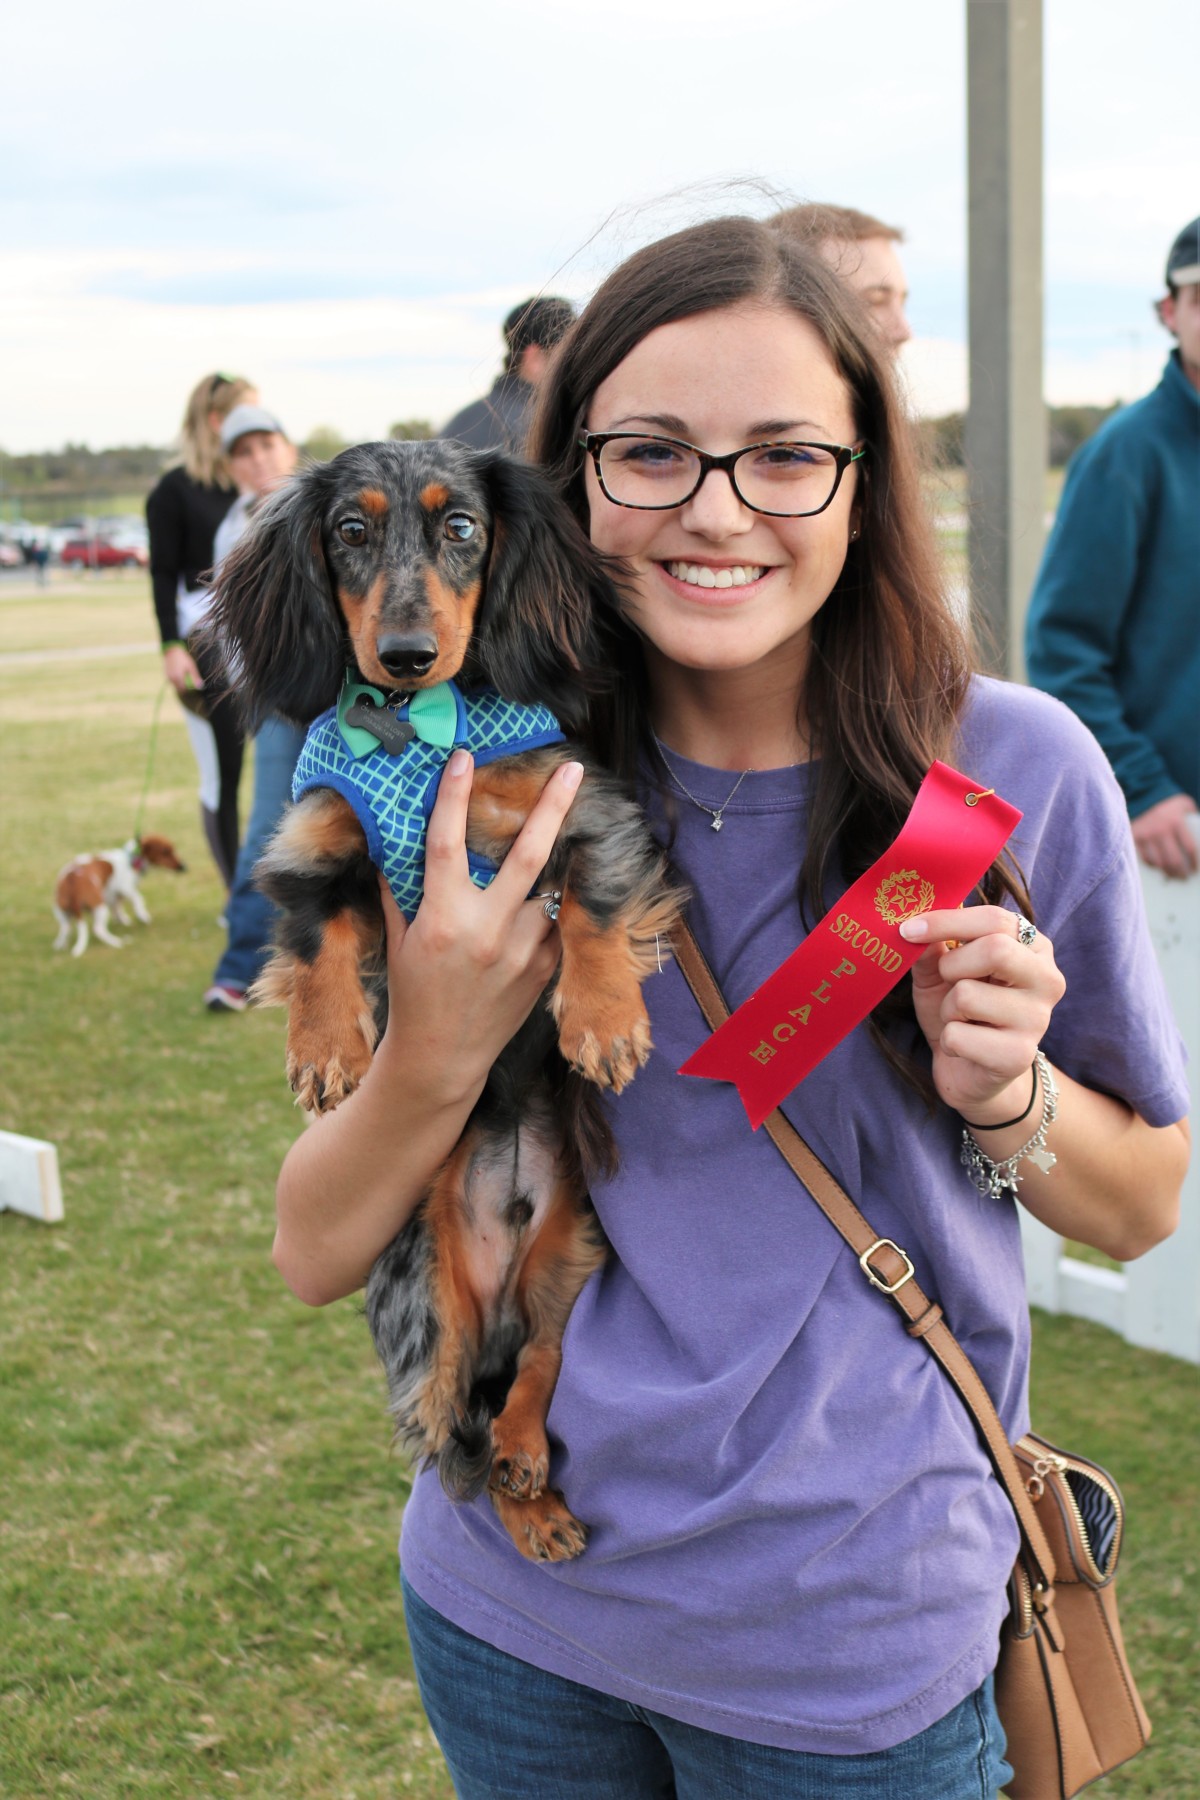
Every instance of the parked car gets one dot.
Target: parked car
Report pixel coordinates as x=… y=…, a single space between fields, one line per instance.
x=10 y=556
x=101 y=553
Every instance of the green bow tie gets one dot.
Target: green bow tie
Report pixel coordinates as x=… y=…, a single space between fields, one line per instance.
x=431 y=715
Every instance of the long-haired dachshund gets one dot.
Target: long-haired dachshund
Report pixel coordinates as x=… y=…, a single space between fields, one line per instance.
x=416 y=591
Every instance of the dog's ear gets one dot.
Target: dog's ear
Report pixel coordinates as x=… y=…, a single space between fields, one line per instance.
x=549 y=600
x=274 y=620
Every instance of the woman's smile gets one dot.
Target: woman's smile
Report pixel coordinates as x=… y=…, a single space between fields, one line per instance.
x=714 y=577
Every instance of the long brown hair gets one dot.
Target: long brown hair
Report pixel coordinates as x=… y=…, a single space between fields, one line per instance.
x=890 y=664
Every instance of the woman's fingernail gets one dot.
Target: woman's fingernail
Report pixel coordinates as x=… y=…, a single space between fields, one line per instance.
x=572 y=775
x=459 y=763
x=914 y=928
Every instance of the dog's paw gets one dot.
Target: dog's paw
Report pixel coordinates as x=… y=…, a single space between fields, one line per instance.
x=543 y=1530
x=518 y=1469
x=609 y=1057
x=320 y=1074
x=320 y=1090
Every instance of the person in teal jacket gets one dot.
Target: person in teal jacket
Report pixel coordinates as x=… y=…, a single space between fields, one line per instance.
x=1114 y=622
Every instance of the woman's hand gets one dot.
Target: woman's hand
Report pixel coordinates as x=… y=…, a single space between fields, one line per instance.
x=180 y=669
x=984 y=1006
x=465 y=974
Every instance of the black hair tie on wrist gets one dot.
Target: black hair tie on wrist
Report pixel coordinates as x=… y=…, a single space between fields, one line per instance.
x=1007 y=1122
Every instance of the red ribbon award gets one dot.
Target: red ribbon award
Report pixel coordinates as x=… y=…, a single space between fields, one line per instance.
x=849 y=961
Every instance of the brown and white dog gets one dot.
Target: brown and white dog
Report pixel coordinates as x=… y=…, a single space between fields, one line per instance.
x=106 y=886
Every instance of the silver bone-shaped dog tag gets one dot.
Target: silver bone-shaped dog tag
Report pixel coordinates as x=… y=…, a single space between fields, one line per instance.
x=393 y=733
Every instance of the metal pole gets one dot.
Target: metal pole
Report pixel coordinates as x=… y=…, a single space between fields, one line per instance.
x=1006 y=420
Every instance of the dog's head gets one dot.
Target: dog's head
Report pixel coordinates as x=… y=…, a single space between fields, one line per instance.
x=414 y=563
x=157 y=853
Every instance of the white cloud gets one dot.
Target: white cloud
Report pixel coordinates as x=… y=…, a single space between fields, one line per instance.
x=155 y=226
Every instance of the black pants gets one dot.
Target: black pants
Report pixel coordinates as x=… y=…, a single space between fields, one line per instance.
x=221 y=826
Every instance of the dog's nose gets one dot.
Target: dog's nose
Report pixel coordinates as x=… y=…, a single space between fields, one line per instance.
x=407 y=654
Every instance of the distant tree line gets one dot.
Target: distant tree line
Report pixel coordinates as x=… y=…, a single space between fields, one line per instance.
x=75 y=475
x=1066 y=428
x=77 y=469
x=77 y=479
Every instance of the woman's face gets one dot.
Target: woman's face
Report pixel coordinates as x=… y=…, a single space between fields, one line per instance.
x=261 y=461
x=721 y=380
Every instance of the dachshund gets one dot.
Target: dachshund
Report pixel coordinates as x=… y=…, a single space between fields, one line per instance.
x=424 y=588
x=106 y=886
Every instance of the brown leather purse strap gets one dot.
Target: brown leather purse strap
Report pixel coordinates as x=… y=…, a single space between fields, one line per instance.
x=888 y=1268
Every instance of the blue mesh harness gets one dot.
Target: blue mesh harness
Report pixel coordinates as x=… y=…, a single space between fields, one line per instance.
x=393 y=793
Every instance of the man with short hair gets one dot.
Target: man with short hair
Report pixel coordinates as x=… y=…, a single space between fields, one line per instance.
x=500 y=420
x=862 y=250
x=1114 y=622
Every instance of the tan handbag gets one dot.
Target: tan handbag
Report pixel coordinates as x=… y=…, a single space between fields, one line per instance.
x=1064 y=1692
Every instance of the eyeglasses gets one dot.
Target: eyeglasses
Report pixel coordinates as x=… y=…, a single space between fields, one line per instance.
x=653 y=474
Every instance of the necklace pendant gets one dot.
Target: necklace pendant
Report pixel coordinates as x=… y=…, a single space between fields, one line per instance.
x=717 y=823
x=1043 y=1160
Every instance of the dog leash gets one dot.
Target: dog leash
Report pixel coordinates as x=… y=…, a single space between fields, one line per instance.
x=141 y=805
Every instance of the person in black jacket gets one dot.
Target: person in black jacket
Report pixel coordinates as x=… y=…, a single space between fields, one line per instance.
x=183 y=512
x=500 y=420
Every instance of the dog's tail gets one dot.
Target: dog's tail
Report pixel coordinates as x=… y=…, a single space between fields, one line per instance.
x=465 y=1460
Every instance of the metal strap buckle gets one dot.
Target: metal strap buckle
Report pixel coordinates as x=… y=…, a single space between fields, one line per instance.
x=884 y=1286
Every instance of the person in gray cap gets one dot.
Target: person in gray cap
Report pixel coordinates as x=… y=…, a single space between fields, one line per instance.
x=261 y=458
x=501 y=419
x=1114 y=622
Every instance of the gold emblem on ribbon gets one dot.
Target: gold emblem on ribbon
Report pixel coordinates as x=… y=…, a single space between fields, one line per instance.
x=902 y=896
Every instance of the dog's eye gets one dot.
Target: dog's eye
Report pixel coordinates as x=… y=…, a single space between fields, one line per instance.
x=460 y=527
x=352 y=531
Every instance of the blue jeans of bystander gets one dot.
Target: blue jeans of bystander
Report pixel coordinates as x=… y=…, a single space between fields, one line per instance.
x=250 y=914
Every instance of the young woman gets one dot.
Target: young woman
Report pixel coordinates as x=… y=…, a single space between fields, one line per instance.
x=183 y=512
x=798 y=1555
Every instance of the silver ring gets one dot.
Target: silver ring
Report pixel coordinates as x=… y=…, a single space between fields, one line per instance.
x=1026 y=931
x=553 y=899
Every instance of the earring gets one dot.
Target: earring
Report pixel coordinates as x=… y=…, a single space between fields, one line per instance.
x=854 y=533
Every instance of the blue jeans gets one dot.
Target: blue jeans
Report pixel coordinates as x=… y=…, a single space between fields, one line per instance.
x=507 y=1729
x=250 y=914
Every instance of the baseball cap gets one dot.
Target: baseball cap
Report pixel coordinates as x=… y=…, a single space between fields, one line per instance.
x=1183 y=259
x=247 y=418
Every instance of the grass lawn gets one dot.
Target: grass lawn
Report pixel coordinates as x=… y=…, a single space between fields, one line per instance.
x=198 y=1504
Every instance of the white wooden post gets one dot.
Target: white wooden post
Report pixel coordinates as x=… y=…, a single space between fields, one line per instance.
x=1006 y=421
x=1155 y=1301
x=1162 y=1306
x=29 y=1178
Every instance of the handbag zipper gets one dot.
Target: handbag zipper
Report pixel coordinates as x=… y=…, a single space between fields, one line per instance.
x=1047 y=1460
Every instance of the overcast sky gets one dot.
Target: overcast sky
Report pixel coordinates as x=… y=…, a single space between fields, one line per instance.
x=342 y=201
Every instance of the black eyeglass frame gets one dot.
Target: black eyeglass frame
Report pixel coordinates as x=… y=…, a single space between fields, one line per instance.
x=844 y=454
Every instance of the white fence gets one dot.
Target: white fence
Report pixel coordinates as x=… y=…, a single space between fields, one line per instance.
x=1154 y=1302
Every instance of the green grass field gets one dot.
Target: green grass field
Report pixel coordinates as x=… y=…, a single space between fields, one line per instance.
x=198 y=1504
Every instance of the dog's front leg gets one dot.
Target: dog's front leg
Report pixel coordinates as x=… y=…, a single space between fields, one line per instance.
x=317 y=871
x=615 y=920
x=616 y=912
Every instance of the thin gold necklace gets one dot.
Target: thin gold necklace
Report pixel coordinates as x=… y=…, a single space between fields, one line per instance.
x=715 y=814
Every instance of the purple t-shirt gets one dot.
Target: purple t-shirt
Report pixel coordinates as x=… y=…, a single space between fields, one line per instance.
x=795 y=1536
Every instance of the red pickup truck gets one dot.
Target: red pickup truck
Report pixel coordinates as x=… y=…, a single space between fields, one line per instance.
x=98 y=553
